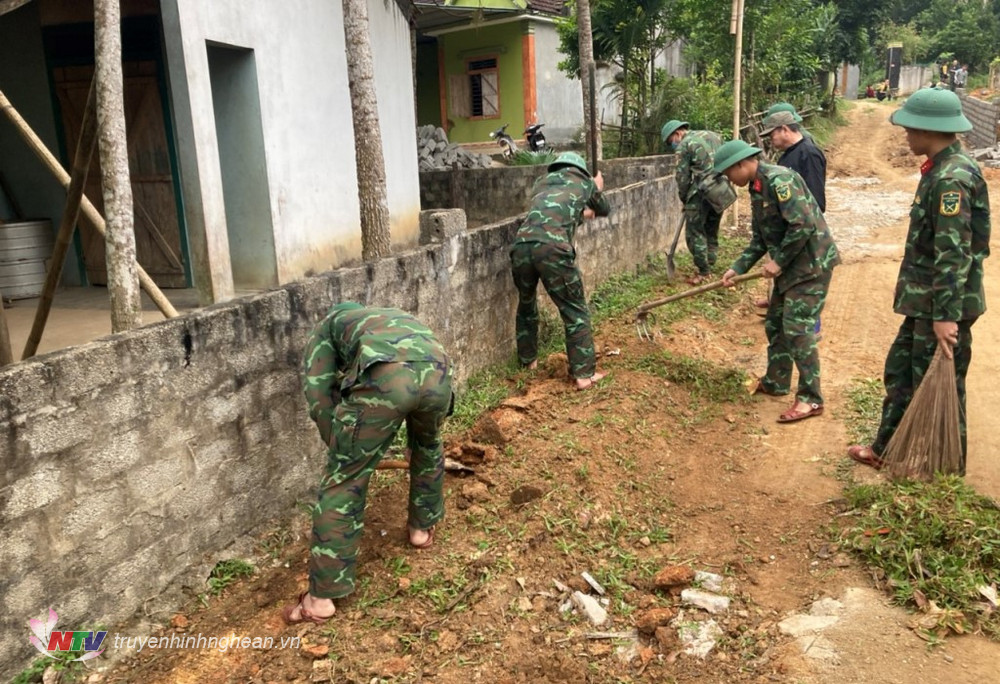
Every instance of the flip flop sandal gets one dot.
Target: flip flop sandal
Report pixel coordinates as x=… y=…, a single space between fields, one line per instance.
x=865 y=456
x=304 y=614
x=427 y=544
x=791 y=415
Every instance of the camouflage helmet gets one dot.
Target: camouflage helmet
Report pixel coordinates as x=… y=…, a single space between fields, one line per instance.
x=733 y=152
x=783 y=107
x=569 y=159
x=930 y=109
x=671 y=127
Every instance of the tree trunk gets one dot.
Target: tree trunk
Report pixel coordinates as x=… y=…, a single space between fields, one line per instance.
x=586 y=38
x=123 y=278
x=372 y=193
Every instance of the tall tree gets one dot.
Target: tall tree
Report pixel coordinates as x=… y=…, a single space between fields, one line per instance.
x=372 y=193
x=123 y=278
x=586 y=57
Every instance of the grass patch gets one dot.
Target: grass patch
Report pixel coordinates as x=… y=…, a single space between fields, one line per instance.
x=529 y=158
x=938 y=541
x=227 y=572
x=864 y=409
x=704 y=379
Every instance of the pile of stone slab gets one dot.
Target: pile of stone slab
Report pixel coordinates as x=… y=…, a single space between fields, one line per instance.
x=434 y=152
x=987 y=156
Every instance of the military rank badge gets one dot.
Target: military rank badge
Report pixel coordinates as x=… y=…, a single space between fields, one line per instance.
x=951 y=203
x=784 y=192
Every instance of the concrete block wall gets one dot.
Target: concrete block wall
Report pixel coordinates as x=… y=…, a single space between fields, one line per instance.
x=126 y=462
x=984 y=117
x=485 y=194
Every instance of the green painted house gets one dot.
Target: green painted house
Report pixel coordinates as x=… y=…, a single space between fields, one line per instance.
x=484 y=63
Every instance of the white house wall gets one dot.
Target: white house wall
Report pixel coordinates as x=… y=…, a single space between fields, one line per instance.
x=307 y=129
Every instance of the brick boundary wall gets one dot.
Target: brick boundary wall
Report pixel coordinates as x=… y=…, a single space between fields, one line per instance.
x=129 y=464
x=984 y=117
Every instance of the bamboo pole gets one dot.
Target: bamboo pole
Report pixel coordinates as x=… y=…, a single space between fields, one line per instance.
x=71 y=212
x=6 y=354
x=736 y=27
x=89 y=211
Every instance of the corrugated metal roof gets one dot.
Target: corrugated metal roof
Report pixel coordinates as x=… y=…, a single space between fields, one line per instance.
x=548 y=6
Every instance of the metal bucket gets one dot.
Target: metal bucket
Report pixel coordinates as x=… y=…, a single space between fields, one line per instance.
x=25 y=246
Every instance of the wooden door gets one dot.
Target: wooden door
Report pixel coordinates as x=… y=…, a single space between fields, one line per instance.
x=157 y=229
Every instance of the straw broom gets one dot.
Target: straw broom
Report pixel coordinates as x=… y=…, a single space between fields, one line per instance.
x=928 y=439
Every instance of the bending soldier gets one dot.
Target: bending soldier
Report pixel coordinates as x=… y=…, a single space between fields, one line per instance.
x=366 y=372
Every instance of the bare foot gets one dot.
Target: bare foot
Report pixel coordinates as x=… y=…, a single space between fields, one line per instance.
x=587 y=383
x=533 y=365
x=762 y=303
x=311 y=609
x=421 y=539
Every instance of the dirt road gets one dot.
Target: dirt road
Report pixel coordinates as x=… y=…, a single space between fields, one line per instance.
x=653 y=468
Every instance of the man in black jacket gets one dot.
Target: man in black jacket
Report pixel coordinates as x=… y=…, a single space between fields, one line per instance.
x=798 y=153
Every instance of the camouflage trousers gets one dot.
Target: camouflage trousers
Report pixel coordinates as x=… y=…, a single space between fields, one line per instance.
x=364 y=424
x=554 y=263
x=701 y=234
x=791 y=339
x=909 y=356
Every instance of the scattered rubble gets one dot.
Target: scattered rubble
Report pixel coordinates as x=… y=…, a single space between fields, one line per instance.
x=706 y=600
x=590 y=607
x=699 y=638
x=434 y=152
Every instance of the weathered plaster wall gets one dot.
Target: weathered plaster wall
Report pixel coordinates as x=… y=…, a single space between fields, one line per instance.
x=506 y=191
x=307 y=128
x=128 y=461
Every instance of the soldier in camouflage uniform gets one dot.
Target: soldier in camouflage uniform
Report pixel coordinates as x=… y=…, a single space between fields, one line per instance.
x=543 y=250
x=695 y=155
x=788 y=226
x=366 y=372
x=940 y=285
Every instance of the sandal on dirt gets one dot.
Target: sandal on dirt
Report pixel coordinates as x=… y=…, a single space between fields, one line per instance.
x=304 y=614
x=791 y=415
x=865 y=456
x=427 y=544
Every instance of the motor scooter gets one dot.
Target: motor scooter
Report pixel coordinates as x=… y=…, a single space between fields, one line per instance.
x=507 y=145
x=536 y=139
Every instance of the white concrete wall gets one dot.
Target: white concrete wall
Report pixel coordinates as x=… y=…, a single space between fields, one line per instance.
x=306 y=120
x=914 y=77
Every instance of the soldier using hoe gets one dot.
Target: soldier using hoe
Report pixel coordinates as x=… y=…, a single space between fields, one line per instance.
x=366 y=372
x=695 y=154
x=940 y=285
x=543 y=250
x=787 y=225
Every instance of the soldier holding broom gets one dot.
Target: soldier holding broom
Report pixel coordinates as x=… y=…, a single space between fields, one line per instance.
x=940 y=284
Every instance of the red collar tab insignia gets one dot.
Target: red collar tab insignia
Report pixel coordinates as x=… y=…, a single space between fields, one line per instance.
x=756 y=185
x=926 y=166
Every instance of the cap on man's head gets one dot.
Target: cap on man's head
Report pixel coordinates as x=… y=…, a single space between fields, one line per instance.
x=733 y=152
x=777 y=120
x=672 y=127
x=930 y=109
x=783 y=107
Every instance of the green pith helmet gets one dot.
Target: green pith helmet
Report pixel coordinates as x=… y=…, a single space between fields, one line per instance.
x=783 y=107
x=671 y=127
x=930 y=109
x=732 y=152
x=569 y=159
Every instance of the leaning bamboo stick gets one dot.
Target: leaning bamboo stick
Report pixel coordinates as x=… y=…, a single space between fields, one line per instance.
x=6 y=354
x=71 y=212
x=90 y=213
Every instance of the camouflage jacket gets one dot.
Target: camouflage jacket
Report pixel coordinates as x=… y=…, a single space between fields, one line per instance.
x=349 y=340
x=557 y=204
x=695 y=156
x=788 y=225
x=941 y=276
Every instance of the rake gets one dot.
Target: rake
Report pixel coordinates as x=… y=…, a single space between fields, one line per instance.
x=643 y=316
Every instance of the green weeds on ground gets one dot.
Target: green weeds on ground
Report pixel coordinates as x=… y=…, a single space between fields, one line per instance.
x=864 y=409
x=226 y=572
x=704 y=379
x=937 y=541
